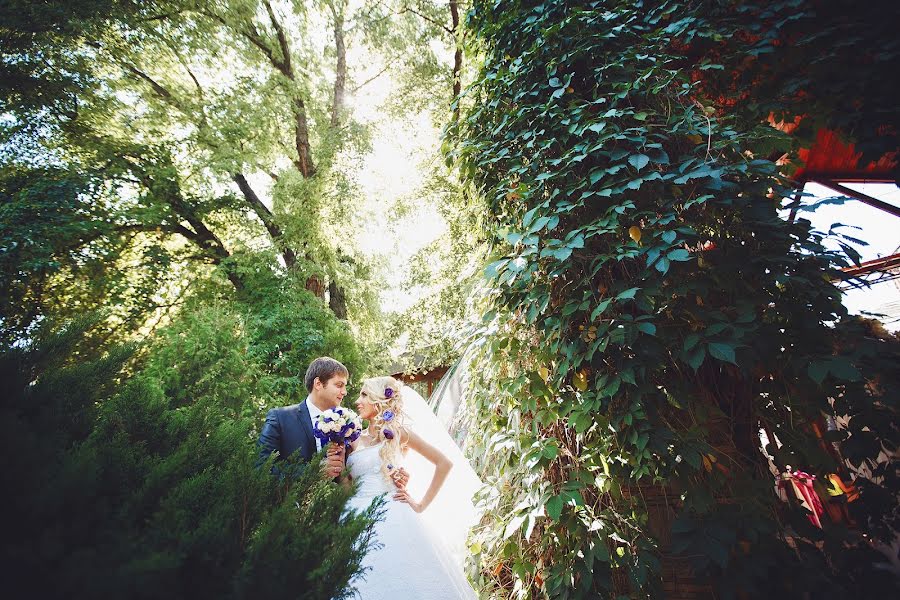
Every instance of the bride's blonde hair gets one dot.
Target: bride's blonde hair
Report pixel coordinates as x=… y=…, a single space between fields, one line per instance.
x=384 y=393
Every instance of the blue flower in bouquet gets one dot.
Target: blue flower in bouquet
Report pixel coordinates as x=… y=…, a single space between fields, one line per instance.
x=337 y=426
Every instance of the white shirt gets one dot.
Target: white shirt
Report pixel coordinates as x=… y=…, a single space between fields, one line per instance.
x=313 y=413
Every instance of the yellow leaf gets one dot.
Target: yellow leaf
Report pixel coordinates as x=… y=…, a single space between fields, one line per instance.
x=635 y=232
x=706 y=463
x=580 y=380
x=544 y=372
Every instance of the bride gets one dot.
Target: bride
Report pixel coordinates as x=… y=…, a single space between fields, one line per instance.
x=415 y=553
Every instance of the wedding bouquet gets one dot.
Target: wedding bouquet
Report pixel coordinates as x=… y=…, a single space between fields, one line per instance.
x=337 y=425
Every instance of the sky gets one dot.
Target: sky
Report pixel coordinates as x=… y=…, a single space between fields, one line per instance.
x=879 y=229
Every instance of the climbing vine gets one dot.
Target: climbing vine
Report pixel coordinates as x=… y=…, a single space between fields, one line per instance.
x=651 y=310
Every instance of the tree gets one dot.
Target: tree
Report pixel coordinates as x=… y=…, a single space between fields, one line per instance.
x=650 y=310
x=140 y=100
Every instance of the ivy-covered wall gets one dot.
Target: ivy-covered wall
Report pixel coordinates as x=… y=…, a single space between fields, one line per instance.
x=651 y=310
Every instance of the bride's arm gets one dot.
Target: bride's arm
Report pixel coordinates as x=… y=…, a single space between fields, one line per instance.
x=442 y=466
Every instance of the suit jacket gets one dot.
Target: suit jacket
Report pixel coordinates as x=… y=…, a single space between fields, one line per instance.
x=287 y=430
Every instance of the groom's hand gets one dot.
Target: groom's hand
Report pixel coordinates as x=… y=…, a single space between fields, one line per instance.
x=334 y=461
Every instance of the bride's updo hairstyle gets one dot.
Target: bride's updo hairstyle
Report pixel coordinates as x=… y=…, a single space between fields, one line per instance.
x=384 y=393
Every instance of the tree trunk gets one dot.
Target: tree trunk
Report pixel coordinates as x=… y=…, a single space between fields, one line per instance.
x=340 y=71
x=457 y=56
x=337 y=300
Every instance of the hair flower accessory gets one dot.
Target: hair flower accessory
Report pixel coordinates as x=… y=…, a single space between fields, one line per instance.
x=388 y=433
x=388 y=393
x=387 y=415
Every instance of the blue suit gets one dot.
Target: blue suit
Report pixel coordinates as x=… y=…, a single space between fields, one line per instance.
x=287 y=430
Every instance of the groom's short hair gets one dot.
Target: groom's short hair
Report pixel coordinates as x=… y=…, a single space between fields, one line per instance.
x=324 y=368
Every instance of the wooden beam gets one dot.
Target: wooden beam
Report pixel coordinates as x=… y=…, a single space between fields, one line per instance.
x=880 y=204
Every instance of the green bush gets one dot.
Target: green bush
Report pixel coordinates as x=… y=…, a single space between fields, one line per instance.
x=144 y=484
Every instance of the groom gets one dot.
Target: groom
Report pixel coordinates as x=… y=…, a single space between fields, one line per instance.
x=290 y=429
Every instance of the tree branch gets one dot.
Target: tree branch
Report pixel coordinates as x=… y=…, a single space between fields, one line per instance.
x=282 y=42
x=268 y=219
x=427 y=18
x=370 y=79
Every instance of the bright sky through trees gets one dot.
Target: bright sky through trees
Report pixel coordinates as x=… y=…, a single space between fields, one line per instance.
x=878 y=229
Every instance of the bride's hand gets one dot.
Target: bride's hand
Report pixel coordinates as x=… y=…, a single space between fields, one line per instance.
x=403 y=496
x=400 y=477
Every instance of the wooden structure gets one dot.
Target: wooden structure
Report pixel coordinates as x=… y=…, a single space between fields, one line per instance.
x=425 y=376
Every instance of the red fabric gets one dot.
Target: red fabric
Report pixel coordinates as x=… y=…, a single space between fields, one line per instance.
x=801 y=485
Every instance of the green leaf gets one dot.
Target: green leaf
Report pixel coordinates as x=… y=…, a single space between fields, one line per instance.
x=642 y=441
x=662 y=265
x=648 y=328
x=843 y=369
x=817 y=370
x=493 y=269
x=679 y=254
x=690 y=341
x=627 y=294
x=538 y=224
x=638 y=161
x=554 y=507
x=696 y=357
x=723 y=352
x=602 y=306
x=562 y=253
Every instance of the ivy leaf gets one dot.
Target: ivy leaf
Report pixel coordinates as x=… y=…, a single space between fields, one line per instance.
x=648 y=328
x=817 y=370
x=663 y=265
x=538 y=224
x=843 y=369
x=493 y=269
x=580 y=381
x=690 y=341
x=638 y=161
x=696 y=358
x=600 y=308
x=554 y=507
x=513 y=525
x=679 y=255
x=562 y=254
x=723 y=352
x=627 y=294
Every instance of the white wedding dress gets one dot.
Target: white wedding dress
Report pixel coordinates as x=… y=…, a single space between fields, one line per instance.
x=412 y=561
